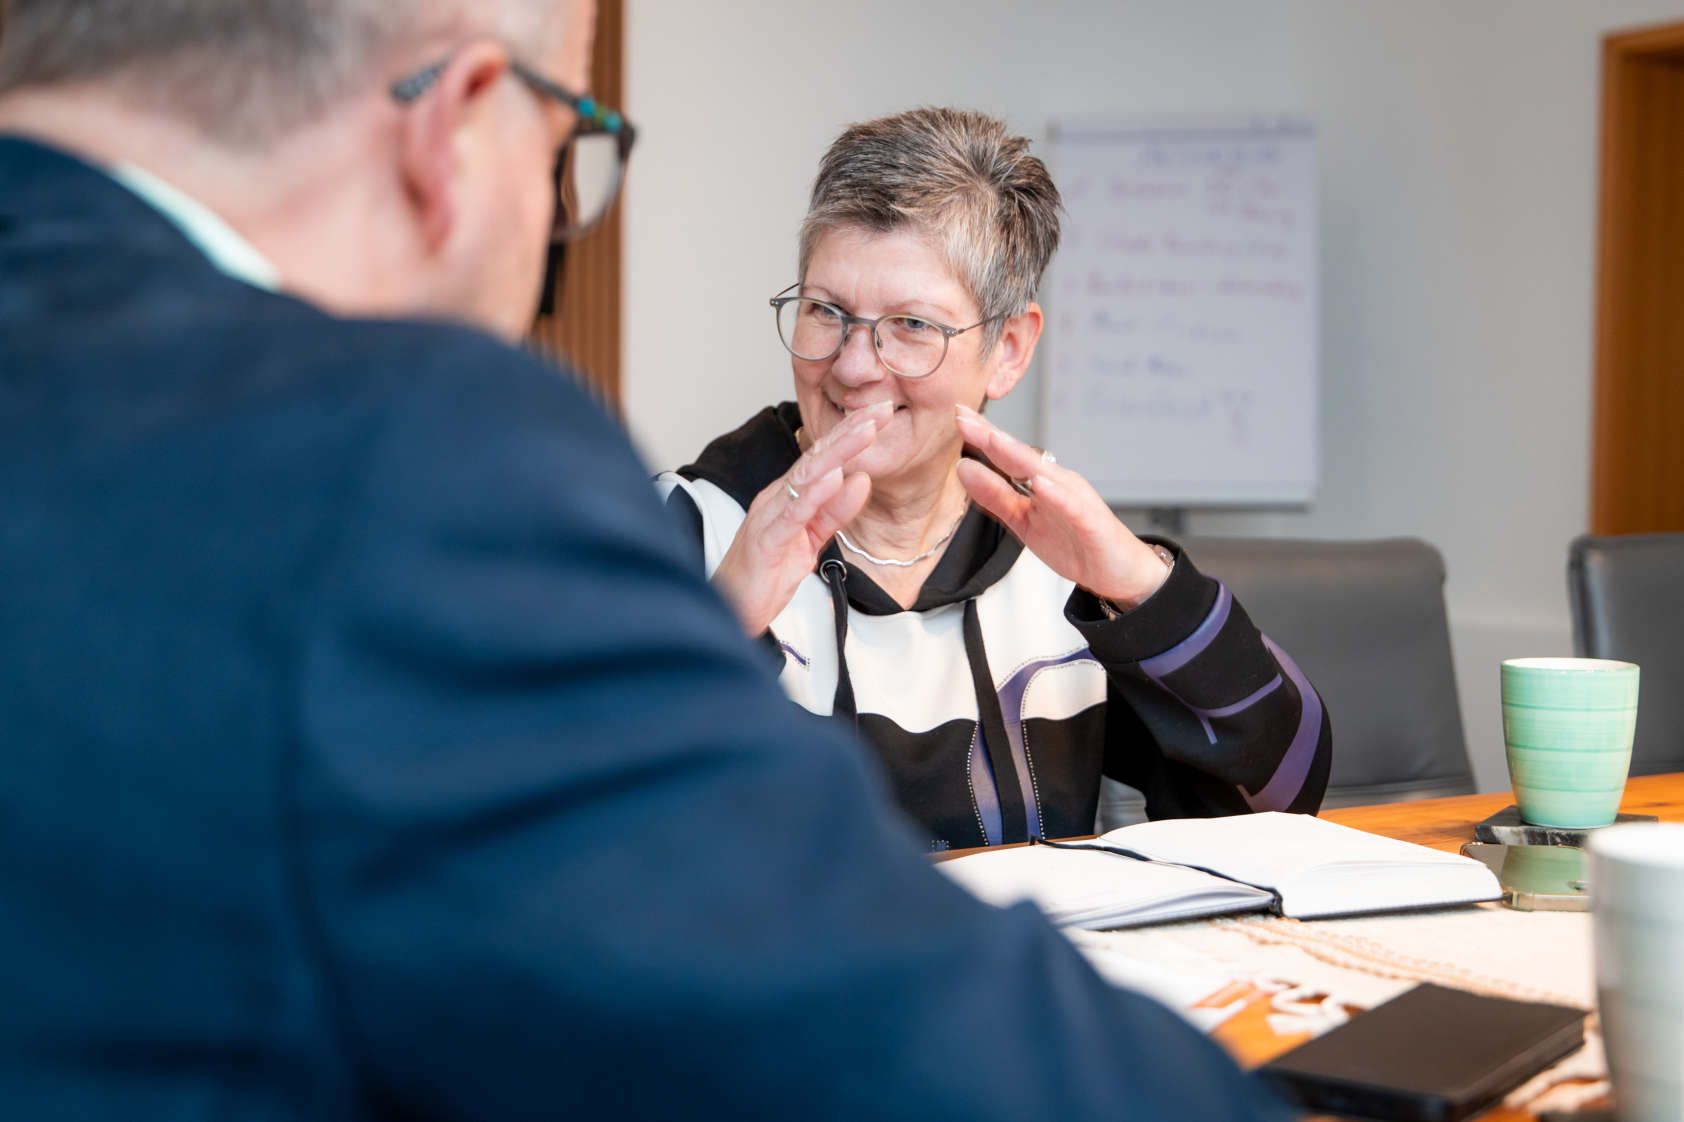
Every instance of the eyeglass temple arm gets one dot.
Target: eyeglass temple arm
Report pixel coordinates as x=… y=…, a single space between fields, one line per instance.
x=408 y=89
x=952 y=331
x=592 y=117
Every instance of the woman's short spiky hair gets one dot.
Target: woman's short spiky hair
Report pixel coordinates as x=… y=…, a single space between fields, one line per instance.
x=244 y=71
x=957 y=176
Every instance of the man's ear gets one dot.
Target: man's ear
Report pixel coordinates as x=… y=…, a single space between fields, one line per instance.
x=1015 y=348
x=431 y=154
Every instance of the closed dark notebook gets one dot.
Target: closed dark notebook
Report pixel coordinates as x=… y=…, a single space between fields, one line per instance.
x=1429 y=1055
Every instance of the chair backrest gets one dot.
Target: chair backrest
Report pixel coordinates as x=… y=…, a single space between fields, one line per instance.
x=1627 y=598
x=1366 y=621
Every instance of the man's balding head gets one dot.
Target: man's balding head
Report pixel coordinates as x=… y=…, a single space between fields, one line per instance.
x=246 y=72
x=281 y=117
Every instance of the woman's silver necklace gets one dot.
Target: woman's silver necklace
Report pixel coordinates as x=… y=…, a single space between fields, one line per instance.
x=896 y=562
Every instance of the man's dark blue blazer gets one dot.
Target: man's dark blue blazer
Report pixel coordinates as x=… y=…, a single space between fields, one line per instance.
x=368 y=749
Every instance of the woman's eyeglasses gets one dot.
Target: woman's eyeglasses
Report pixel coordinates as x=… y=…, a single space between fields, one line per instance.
x=908 y=346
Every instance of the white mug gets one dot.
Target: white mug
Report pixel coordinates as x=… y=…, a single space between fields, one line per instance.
x=1637 y=900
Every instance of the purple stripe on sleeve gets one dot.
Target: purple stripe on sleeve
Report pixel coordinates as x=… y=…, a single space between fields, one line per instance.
x=1294 y=767
x=1190 y=648
x=1243 y=704
x=1011 y=710
x=1161 y=665
x=1205 y=716
x=983 y=792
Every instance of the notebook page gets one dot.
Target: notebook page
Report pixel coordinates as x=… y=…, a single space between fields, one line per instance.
x=1272 y=848
x=1094 y=889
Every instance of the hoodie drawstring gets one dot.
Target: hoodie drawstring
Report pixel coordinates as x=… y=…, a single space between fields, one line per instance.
x=991 y=729
x=991 y=722
x=834 y=573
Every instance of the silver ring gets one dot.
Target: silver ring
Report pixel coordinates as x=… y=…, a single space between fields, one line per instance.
x=1027 y=486
x=795 y=496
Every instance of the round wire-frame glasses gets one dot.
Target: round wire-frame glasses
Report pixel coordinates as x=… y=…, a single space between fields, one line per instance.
x=814 y=330
x=591 y=164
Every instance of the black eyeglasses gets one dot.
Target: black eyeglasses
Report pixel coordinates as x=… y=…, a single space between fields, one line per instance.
x=592 y=162
x=908 y=346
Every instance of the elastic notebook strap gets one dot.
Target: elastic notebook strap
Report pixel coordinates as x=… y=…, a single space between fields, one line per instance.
x=1121 y=852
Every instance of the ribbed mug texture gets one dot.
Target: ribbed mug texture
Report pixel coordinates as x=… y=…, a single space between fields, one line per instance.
x=1567 y=728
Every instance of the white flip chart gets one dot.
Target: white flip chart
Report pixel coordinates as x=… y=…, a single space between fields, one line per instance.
x=1180 y=356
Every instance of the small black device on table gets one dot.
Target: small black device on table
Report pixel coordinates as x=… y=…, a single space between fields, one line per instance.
x=1432 y=1054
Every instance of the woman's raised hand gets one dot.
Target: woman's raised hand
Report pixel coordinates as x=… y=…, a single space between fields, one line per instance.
x=1062 y=519
x=790 y=521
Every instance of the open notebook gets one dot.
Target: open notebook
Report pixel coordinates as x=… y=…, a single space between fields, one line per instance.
x=1157 y=872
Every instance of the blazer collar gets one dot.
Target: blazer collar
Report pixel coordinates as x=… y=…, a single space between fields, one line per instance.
x=43 y=185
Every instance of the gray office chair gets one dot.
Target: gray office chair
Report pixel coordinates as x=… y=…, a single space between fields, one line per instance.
x=1627 y=598
x=1366 y=621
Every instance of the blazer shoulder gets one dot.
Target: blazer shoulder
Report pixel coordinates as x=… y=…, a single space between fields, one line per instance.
x=454 y=373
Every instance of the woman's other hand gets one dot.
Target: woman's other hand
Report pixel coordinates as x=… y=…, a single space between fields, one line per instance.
x=793 y=518
x=1063 y=521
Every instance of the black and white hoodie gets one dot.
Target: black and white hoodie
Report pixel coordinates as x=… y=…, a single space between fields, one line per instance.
x=997 y=701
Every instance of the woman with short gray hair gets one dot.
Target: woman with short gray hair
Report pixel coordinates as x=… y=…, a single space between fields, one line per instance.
x=990 y=626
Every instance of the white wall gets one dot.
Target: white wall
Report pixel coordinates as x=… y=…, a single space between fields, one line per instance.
x=1458 y=152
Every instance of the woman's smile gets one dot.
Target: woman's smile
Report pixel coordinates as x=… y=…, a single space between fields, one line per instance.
x=887 y=273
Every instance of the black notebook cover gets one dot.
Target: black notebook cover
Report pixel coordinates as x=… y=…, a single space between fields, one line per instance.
x=1429 y=1055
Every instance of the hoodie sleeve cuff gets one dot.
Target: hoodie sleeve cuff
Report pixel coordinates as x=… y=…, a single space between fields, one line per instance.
x=1157 y=624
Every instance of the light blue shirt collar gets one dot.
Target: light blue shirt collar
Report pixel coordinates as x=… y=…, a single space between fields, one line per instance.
x=213 y=237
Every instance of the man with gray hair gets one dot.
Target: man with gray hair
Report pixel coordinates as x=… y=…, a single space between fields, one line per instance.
x=370 y=749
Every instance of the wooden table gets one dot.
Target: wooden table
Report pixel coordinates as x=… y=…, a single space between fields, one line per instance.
x=1440 y=824
x=1447 y=823
x=1437 y=823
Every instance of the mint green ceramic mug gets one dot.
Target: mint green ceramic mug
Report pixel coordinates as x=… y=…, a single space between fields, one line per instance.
x=1567 y=725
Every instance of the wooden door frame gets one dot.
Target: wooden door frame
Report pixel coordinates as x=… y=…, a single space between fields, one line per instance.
x=1622 y=329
